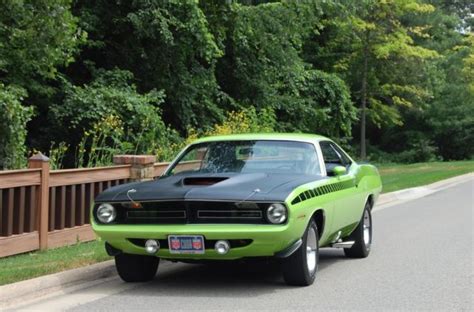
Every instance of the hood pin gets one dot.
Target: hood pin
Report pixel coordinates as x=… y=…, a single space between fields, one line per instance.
x=134 y=203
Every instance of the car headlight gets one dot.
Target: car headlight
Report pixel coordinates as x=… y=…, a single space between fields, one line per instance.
x=106 y=213
x=276 y=213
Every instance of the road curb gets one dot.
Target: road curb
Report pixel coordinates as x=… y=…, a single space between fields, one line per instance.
x=18 y=293
x=28 y=290
x=392 y=198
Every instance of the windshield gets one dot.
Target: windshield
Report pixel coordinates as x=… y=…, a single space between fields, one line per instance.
x=248 y=157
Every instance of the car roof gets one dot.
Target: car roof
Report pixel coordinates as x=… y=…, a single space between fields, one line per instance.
x=300 y=137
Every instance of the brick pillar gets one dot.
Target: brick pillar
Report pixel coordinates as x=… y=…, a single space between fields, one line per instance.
x=142 y=166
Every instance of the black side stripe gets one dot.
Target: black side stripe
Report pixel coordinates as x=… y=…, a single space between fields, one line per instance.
x=323 y=190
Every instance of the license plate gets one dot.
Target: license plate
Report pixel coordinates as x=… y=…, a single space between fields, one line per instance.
x=186 y=244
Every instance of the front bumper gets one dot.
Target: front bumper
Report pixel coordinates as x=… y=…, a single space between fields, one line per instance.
x=267 y=240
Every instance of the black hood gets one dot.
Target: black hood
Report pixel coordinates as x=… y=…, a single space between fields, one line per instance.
x=199 y=186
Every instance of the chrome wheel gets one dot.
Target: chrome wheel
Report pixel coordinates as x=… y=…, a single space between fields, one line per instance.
x=311 y=250
x=362 y=236
x=300 y=268
x=367 y=228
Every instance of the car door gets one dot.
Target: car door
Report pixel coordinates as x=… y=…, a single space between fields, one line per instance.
x=345 y=196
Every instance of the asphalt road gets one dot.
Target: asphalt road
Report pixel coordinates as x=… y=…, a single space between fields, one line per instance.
x=422 y=259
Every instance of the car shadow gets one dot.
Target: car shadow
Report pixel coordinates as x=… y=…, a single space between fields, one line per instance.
x=236 y=279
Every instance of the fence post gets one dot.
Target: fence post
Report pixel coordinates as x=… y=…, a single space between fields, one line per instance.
x=42 y=197
x=142 y=166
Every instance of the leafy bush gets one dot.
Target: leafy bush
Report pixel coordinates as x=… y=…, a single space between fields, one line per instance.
x=451 y=116
x=264 y=68
x=111 y=111
x=36 y=36
x=247 y=120
x=13 y=120
x=167 y=45
x=56 y=155
x=101 y=143
x=420 y=149
x=324 y=106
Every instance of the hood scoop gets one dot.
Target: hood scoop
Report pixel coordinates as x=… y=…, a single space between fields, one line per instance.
x=203 y=180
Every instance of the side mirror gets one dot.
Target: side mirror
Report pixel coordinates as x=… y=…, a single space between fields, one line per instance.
x=339 y=170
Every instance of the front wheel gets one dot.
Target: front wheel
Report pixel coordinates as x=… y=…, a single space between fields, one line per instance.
x=136 y=268
x=362 y=236
x=300 y=268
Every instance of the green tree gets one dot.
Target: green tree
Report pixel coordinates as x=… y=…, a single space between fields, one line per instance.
x=450 y=116
x=322 y=105
x=440 y=122
x=13 y=119
x=35 y=38
x=112 y=96
x=167 y=46
x=263 y=68
x=373 y=48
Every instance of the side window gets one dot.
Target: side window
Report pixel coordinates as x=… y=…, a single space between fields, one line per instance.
x=346 y=161
x=329 y=153
x=333 y=156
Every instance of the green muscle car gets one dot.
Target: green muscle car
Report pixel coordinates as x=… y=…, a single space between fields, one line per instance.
x=242 y=196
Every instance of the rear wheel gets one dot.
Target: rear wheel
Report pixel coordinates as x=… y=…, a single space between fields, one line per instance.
x=362 y=236
x=136 y=268
x=300 y=268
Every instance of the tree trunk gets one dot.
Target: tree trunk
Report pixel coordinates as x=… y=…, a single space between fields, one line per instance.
x=363 y=106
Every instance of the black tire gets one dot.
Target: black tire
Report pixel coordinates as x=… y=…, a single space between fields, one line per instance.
x=136 y=268
x=296 y=271
x=361 y=247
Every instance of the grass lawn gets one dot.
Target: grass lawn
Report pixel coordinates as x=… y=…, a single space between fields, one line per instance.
x=396 y=177
x=29 y=265
x=25 y=266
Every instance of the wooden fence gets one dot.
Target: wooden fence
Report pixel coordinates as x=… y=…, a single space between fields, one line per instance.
x=42 y=209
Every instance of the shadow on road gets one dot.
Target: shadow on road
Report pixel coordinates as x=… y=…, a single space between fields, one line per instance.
x=245 y=279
